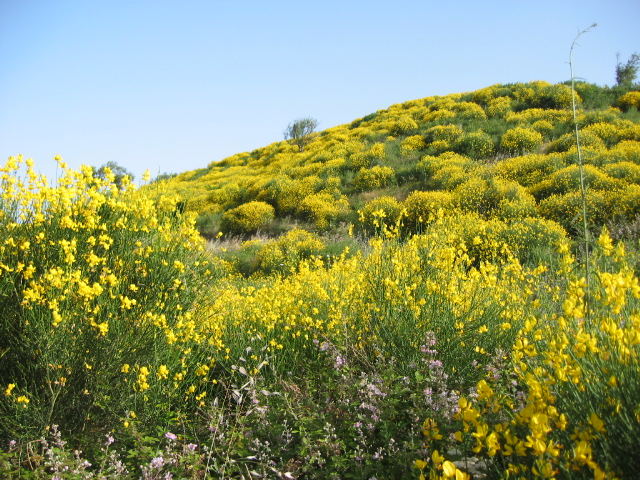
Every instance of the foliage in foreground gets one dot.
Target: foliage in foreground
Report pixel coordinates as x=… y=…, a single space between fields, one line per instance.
x=447 y=354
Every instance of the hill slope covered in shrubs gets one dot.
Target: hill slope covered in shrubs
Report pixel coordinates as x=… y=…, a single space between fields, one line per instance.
x=408 y=296
x=506 y=152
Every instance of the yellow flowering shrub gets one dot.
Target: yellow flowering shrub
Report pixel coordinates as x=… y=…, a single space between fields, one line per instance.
x=92 y=278
x=520 y=140
x=608 y=133
x=610 y=115
x=530 y=233
x=498 y=107
x=568 y=179
x=286 y=252
x=373 y=178
x=448 y=133
x=359 y=160
x=377 y=151
x=629 y=100
x=323 y=209
x=422 y=208
x=412 y=144
x=438 y=147
x=439 y=116
x=485 y=95
x=502 y=198
x=228 y=196
x=531 y=115
x=626 y=171
x=482 y=326
x=248 y=217
x=567 y=142
x=446 y=171
x=544 y=95
x=383 y=210
x=544 y=127
x=529 y=169
x=630 y=132
x=566 y=209
x=572 y=367
x=627 y=150
x=287 y=193
x=333 y=166
x=468 y=111
x=403 y=125
x=627 y=203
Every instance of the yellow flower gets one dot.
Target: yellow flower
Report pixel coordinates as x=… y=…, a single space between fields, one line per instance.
x=9 y=389
x=449 y=469
x=420 y=464
x=484 y=390
x=596 y=423
x=163 y=372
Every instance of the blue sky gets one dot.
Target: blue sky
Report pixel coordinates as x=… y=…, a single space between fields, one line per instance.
x=173 y=86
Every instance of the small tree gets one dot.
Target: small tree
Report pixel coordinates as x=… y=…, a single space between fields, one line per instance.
x=299 y=131
x=626 y=73
x=118 y=171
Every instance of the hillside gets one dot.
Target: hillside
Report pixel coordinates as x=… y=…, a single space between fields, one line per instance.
x=409 y=296
x=505 y=152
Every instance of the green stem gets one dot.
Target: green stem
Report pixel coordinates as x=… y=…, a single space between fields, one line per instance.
x=583 y=189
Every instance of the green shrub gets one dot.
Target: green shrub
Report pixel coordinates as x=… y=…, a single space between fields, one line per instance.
x=596 y=97
x=209 y=224
x=476 y=145
x=286 y=253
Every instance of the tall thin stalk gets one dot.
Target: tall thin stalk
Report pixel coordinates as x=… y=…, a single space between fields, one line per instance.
x=583 y=189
